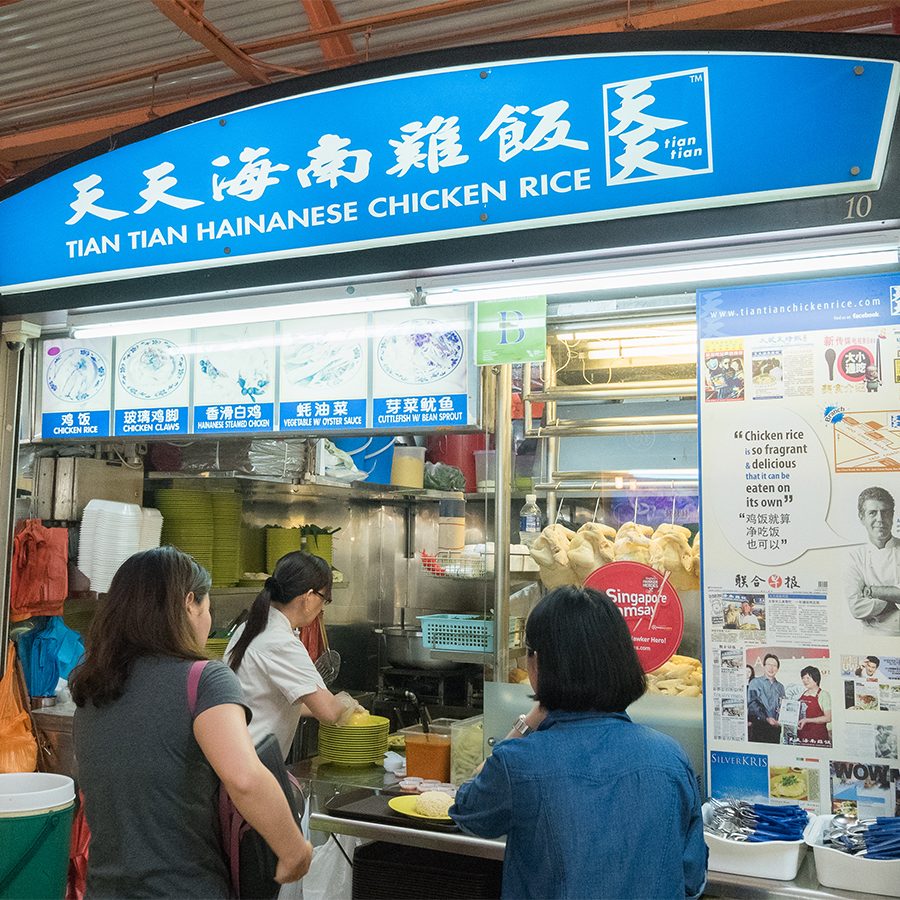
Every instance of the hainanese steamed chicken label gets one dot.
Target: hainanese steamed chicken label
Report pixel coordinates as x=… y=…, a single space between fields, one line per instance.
x=234 y=379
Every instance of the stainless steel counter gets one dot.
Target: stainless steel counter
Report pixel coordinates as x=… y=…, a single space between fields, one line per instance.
x=805 y=886
x=325 y=781
x=462 y=844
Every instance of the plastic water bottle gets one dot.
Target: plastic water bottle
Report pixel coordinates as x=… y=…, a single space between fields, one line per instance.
x=529 y=521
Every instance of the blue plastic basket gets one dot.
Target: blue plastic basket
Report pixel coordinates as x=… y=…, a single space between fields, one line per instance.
x=457 y=632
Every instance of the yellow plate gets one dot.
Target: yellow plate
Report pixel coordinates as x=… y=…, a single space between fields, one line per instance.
x=407 y=806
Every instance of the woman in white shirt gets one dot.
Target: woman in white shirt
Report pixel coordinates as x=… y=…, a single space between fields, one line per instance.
x=279 y=679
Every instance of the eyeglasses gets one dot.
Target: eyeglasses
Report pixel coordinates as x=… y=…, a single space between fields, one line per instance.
x=325 y=600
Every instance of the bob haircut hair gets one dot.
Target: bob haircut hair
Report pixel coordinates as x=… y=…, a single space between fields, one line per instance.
x=144 y=615
x=585 y=657
x=813 y=673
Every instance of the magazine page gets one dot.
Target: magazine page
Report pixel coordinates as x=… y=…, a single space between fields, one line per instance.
x=800 y=501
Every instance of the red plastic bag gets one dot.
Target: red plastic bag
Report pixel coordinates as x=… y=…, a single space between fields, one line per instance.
x=78 y=854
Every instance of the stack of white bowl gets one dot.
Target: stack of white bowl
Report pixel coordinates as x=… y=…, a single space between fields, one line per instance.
x=110 y=533
x=151 y=528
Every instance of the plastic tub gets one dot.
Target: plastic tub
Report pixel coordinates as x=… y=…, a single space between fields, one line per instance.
x=428 y=755
x=466 y=748
x=779 y=860
x=485 y=469
x=35 y=815
x=408 y=466
x=851 y=873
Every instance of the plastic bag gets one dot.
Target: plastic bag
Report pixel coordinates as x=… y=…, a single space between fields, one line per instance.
x=48 y=653
x=329 y=877
x=339 y=463
x=441 y=477
x=76 y=881
x=18 y=745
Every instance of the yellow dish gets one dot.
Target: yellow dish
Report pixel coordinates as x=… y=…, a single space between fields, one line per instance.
x=407 y=806
x=789 y=783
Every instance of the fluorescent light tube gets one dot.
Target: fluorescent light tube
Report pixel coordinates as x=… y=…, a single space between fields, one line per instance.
x=302 y=310
x=688 y=273
x=646 y=351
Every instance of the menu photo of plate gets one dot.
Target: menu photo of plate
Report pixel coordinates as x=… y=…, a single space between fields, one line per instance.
x=75 y=388
x=420 y=372
x=323 y=373
x=152 y=384
x=234 y=379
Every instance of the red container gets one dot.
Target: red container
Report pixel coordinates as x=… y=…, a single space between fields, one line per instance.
x=457 y=450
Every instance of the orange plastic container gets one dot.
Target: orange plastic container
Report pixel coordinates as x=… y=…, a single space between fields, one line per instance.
x=427 y=755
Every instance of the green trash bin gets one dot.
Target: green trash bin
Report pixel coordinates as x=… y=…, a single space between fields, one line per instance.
x=35 y=829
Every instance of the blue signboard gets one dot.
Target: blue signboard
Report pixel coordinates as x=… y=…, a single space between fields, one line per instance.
x=323 y=415
x=234 y=418
x=156 y=420
x=416 y=412
x=457 y=152
x=866 y=301
x=91 y=423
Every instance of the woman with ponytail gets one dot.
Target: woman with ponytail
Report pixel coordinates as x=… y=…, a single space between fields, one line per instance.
x=149 y=766
x=279 y=679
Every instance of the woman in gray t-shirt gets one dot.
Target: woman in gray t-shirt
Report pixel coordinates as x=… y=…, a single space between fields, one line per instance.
x=150 y=771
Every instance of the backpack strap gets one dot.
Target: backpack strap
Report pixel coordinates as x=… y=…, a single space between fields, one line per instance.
x=232 y=827
x=193 y=683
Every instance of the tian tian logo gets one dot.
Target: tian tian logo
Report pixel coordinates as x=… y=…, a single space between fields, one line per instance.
x=657 y=127
x=895 y=299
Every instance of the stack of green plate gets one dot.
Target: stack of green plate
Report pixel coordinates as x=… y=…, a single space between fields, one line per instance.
x=280 y=541
x=227 y=506
x=188 y=522
x=355 y=745
x=253 y=549
x=253 y=580
x=215 y=647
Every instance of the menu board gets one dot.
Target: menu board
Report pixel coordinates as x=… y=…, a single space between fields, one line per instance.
x=75 y=388
x=398 y=371
x=323 y=374
x=420 y=368
x=800 y=497
x=234 y=379
x=152 y=384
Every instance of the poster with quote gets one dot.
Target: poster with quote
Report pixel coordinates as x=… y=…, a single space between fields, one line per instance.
x=800 y=499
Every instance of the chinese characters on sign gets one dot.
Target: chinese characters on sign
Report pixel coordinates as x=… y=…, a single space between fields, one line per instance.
x=433 y=146
x=456 y=152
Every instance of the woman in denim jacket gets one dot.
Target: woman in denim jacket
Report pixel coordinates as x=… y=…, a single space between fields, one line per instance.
x=592 y=804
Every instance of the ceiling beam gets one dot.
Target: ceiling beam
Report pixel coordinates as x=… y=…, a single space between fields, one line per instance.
x=367 y=23
x=847 y=22
x=193 y=23
x=57 y=139
x=704 y=13
x=322 y=14
x=445 y=7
